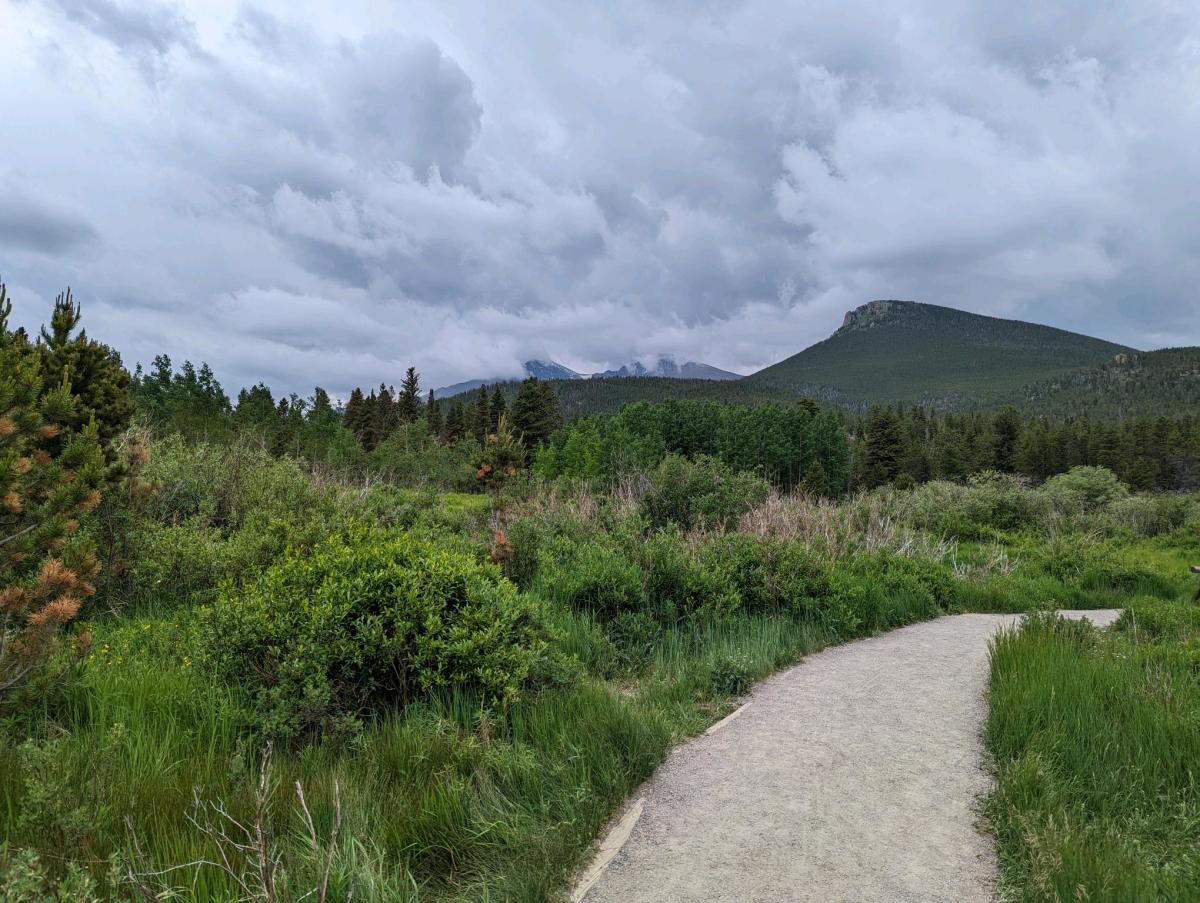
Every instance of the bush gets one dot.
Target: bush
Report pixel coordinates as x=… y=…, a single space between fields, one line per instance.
x=679 y=585
x=593 y=576
x=1095 y=486
x=700 y=493
x=369 y=619
x=1102 y=566
x=770 y=576
x=883 y=590
x=732 y=675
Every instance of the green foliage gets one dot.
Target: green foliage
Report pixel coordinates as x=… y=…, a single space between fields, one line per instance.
x=679 y=585
x=367 y=620
x=1094 y=737
x=101 y=386
x=781 y=443
x=50 y=477
x=535 y=414
x=701 y=493
x=594 y=576
x=731 y=675
x=1094 y=485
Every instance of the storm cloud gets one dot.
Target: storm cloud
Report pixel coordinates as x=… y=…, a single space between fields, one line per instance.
x=309 y=192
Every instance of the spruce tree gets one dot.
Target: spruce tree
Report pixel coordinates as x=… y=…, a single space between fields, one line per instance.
x=481 y=415
x=881 y=450
x=433 y=416
x=535 y=414
x=497 y=409
x=816 y=482
x=357 y=417
x=408 y=404
x=456 y=423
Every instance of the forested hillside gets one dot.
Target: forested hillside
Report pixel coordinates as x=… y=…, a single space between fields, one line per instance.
x=1143 y=384
x=606 y=395
x=901 y=351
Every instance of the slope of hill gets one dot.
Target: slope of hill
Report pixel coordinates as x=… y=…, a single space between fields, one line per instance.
x=1145 y=384
x=888 y=351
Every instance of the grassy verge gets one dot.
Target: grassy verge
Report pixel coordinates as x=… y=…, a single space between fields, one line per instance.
x=440 y=801
x=1096 y=740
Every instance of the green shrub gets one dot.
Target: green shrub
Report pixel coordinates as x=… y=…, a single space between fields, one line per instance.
x=883 y=590
x=1095 y=486
x=1158 y=619
x=679 y=585
x=1081 y=562
x=1147 y=515
x=593 y=576
x=732 y=675
x=700 y=493
x=368 y=619
x=770 y=576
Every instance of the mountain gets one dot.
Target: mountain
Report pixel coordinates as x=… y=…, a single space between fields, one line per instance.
x=1143 y=384
x=890 y=351
x=667 y=368
x=540 y=369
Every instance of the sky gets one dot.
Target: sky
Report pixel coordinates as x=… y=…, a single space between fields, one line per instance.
x=311 y=193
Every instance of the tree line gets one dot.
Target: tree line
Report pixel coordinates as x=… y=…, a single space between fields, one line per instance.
x=907 y=445
x=190 y=400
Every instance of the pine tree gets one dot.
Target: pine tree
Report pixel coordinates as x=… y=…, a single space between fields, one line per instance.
x=433 y=416
x=481 y=415
x=535 y=413
x=497 y=409
x=882 y=449
x=408 y=404
x=816 y=482
x=456 y=423
x=1006 y=431
x=357 y=417
x=102 y=386
x=50 y=475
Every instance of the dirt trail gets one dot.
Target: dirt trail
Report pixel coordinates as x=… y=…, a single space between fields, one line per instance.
x=852 y=776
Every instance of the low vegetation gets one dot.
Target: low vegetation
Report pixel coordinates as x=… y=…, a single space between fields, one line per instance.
x=1095 y=735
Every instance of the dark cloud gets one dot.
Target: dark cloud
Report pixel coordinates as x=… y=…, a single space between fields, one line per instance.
x=38 y=224
x=331 y=191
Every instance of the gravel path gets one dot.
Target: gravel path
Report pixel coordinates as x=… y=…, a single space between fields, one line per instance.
x=852 y=776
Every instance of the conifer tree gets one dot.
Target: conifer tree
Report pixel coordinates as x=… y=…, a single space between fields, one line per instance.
x=102 y=387
x=816 y=482
x=535 y=414
x=881 y=450
x=497 y=409
x=481 y=415
x=456 y=423
x=433 y=416
x=357 y=417
x=408 y=404
x=50 y=475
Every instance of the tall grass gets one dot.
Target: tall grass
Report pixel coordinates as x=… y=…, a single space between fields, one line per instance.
x=1096 y=742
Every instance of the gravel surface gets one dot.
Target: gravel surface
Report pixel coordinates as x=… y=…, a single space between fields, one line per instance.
x=852 y=776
